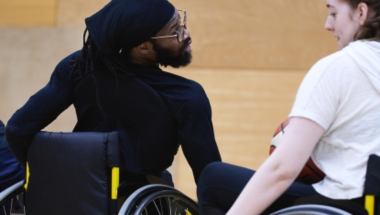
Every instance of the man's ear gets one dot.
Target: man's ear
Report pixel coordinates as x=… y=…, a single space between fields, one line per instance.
x=364 y=13
x=145 y=48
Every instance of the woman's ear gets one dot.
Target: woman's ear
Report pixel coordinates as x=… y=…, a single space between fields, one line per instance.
x=364 y=13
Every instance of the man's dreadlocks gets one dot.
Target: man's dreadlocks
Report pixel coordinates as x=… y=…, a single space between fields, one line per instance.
x=90 y=57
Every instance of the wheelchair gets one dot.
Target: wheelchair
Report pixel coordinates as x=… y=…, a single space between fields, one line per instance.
x=159 y=199
x=318 y=205
x=163 y=199
x=78 y=173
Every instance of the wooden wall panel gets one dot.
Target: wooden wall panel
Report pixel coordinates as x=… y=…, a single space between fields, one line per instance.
x=268 y=34
x=244 y=34
x=73 y=12
x=28 y=56
x=27 y=12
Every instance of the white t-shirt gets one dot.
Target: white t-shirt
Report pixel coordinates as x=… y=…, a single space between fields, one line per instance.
x=338 y=95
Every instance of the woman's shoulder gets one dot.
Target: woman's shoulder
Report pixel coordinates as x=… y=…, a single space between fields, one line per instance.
x=351 y=55
x=330 y=69
x=337 y=61
x=336 y=58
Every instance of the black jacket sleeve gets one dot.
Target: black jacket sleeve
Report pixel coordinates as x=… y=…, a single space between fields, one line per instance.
x=40 y=110
x=196 y=134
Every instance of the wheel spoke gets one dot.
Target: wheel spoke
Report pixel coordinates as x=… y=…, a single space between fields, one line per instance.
x=10 y=209
x=155 y=205
x=165 y=202
x=22 y=205
x=176 y=206
x=5 y=212
x=161 y=206
x=170 y=206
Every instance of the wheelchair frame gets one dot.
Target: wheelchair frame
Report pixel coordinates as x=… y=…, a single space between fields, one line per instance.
x=8 y=194
x=144 y=198
x=138 y=202
x=311 y=209
x=135 y=204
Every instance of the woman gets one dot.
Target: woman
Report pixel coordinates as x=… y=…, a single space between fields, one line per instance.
x=334 y=120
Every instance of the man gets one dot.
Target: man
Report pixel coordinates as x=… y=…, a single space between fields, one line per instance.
x=115 y=83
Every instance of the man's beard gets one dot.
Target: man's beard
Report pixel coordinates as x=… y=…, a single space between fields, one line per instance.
x=166 y=57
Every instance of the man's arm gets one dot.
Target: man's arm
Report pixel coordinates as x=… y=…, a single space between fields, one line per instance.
x=196 y=133
x=39 y=111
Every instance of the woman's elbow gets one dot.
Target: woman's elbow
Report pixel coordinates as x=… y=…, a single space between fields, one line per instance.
x=286 y=173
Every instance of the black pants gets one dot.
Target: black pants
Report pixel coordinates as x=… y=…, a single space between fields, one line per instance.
x=220 y=184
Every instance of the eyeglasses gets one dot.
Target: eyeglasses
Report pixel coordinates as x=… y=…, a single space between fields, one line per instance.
x=180 y=32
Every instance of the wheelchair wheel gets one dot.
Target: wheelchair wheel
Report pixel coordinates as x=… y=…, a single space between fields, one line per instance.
x=139 y=194
x=311 y=210
x=168 y=202
x=158 y=200
x=11 y=200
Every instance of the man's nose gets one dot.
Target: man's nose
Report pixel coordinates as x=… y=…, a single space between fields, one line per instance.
x=186 y=34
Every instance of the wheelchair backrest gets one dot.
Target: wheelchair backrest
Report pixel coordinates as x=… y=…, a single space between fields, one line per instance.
x=70 y=173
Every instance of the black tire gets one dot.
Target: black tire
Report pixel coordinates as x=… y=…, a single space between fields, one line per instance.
x=172 y=202
x=311 y=210
x=138 y=195
x=160 y=200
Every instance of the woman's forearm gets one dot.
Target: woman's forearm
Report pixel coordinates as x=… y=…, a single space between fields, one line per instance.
x=264 y=188
x=280 y=169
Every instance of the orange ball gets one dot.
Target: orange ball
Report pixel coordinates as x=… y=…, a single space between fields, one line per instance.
x=310 y=173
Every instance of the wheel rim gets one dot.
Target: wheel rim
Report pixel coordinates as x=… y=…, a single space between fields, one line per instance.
x=167 y=202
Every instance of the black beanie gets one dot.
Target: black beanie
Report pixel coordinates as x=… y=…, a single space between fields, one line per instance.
x=124 y=24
